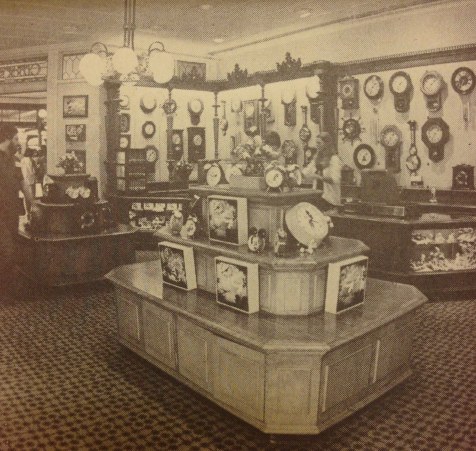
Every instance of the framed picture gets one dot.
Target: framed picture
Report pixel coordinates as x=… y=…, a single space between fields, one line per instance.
x=228 y=219
x=177 y=265
x=125 y=122
x=81 y=156
x=75 y=133
x=346 y=282
x=75 y=106
x=237 y=284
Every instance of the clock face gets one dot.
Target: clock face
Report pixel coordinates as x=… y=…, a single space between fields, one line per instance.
x=148 y=129
x=463 y=80
x=373 y=87
x=196 y=106
x=390 y=138
x=288 y=96
x=197 y=140
x=232 y=170
x=124 y=142
x=274 y=178
x=434 y=134
x=249 y=110
x=313 y=88
x=176 y=139
x=400 y=84
x=347 y=90
x=307 y=223
x=236 y=105
x=151 y=154
x=214 y=175
x=431 y=83
x=462 y=178
x=364 y=156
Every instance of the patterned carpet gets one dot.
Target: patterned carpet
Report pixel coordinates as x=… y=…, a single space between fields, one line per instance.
x=65 y=383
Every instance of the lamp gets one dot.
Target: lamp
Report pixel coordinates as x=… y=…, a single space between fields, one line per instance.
x=98 y=63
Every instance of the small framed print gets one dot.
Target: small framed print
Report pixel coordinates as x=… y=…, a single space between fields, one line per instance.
x=75 y=106
x=177 y=265
x=237 y=284
x=228 y=219
x=75 y=133
x=346 y=283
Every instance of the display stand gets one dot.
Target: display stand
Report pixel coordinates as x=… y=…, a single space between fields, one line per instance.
x=293 y=375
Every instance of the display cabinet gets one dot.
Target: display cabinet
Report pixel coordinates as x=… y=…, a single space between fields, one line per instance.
x=133 y=171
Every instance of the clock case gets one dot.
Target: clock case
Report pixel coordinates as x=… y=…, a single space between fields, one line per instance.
x=436 y=151
x=463 y=177
x=401 y=99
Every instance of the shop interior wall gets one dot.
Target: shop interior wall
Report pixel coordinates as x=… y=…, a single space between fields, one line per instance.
x=459 y=149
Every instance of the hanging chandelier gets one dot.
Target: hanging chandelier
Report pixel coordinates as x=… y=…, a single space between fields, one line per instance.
x=99 y=64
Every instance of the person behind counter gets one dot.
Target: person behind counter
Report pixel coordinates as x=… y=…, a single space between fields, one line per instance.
x=326 y=157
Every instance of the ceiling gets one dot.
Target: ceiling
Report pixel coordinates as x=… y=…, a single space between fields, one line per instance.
x=37 y=22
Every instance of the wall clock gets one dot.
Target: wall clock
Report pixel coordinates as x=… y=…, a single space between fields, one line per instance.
x=288 y=99
x=463 y=176
x=463 y=80
x=364 y=156
x=176 y=147
x=151 y=154
x=250 y=114
x=306 y=223
x=196 y=143
x=169 y=106
x=305 y=132
x=125 y=142
x=351 y=130
x=237 y=108
x=125 y=122
x=148 y=129
x=413 y=161
x=401 y=87
x=391 y=139
x=224 y=121
x=432 y=84
x=348 y=91
x=313 y=93
x=195 y=109
x=148 y=103
x=124 y=102
x=374 y=87
x=435 y=133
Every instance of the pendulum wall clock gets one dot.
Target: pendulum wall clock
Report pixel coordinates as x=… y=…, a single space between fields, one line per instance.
x=463 y=81
x=391 y=139
x=431 y=85
x=250 y=114
x=196 y=143
x=195 y=109
x=314 y=94
x=348 y=90
x=435 y=133
x=401 y=87
x=288 y=99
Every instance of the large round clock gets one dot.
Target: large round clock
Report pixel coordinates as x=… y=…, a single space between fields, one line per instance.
x=364 y=156
x=374 y=87
x=463 y=80
x=307 y=223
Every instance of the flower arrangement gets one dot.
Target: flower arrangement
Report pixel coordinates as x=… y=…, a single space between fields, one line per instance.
x=70 y=163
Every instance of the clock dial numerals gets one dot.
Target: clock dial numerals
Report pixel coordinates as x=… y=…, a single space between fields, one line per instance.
x=435 y=134
x=373 y=87
x=391 y=137
x=151 y=154
x=400 y=84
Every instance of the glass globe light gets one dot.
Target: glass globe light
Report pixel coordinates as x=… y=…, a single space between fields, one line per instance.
x=92 y=68
x=162 y=66
x=125 y=60
x=42 y=113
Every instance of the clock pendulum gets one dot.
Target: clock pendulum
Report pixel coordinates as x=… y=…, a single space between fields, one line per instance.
x=413 y=161
x=216 y=124
x=463 y=81
x=374 y=90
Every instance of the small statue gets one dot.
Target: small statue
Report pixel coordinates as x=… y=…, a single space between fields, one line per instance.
x=176 y=222
x=433 y=199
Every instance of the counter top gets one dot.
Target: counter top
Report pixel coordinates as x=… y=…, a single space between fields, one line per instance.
x=385 y=301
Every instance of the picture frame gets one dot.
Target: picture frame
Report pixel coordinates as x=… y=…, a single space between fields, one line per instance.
x=75 y=106
x=346 y=284
x=177 y=265
x=237 y=284
x=75 y=133
x=125 y=122
x=228 y=219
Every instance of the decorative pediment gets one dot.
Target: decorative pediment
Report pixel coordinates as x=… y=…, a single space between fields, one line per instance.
x=289 y=65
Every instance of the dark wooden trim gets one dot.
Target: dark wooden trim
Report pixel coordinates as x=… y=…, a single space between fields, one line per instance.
x=410 y=59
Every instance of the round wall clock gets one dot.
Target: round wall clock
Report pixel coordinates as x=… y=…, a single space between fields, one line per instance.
x=435 y=133
x=151 y=154
x=169 y=106
x=401 y=87
x=431 y=84
x=236 y=105
x=195 y=108
x=364 y=156
x=391 y=137
x=307 y=223
x=148 y=129
x=148 y=103
x=374 y=87
x=463 y=80
x=125 y=142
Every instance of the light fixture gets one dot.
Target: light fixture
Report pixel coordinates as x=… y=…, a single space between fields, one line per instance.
x=99 y=64
x=218 y=40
